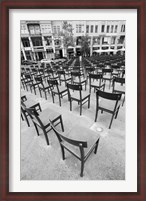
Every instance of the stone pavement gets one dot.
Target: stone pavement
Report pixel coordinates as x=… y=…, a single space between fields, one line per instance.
x=42 y=162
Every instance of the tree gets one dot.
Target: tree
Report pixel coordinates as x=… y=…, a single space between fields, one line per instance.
x=67 y=35
x=85 y=45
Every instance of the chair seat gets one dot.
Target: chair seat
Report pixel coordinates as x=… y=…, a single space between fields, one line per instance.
x=81 y=134
x=48 y=114
x=61 y=89
x=108 y=104
x=76 y=95
x=108 y=77
x=77 y=80
x=95 y=83
x=29 y=103
x=120 y=87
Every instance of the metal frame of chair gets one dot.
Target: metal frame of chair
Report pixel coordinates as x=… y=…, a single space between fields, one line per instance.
x=53 y=83
x=82 y=145
x=39 y=124
x=107 y=96
x=81 y=100
x=121 y=81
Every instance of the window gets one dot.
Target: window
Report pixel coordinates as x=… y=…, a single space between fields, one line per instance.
x=48 y=40
x=57 y=42
x=79 y=28
x=91 y=28
x=112 y=28
x=102 y=28
x=87 y=28
x=37 y=41
x=96 y=28
x=107 y=29
x=116 y=28
x=24 y=29
x=25 y=42
x=123 y=28
x=34 y=29
x=28 y=55
x=113 y=39
x=55 y=29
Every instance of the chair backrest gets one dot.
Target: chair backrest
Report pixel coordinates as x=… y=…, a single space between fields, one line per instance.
x=107 y=70
x=61 y=72
x=62 y=138
x=119 y=80
x=76 y=87
x=34 y=115
x=95 y=76
x=109 y=96
x=38 y=79
x=53 y=82
x=76 y=74
x=23 y=98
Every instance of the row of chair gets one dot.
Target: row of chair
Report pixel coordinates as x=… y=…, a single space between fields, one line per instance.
x=82 y=138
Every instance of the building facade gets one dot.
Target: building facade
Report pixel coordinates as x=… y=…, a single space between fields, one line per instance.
x=41 y=39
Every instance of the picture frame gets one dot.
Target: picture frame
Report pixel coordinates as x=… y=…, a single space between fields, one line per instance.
x=5 y=105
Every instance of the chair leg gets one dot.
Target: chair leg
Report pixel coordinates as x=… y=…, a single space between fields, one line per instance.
x=46 y=136
x=89 y=102
x=40 y=94
x=34 y=90
x=53 y=97
x=95 y=151
x=96 y=114
x=45 y=95
x=63 y=153
x=61 y=123
x=22 y=117
x=111 y=121
x=80 y=108
x=82 y=167
x=70 y=105
x=36 y=129
x=59 y=100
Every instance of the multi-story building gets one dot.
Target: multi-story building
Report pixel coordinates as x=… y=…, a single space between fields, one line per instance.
x=41 y=39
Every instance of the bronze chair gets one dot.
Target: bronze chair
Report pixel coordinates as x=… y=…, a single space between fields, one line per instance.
x=61 y=91
x=95 y=81
x=41 y=120
x=80 y=142
x=80 y=97
x=30 y=104
x=76 y=78
x=119 y=86
x=108 y=102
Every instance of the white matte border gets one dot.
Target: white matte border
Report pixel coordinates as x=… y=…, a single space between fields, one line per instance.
x=130 y=183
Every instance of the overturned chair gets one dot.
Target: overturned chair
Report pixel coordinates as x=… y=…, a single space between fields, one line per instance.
x=80 y=142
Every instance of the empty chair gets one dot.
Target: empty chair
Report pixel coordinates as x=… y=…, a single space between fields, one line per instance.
x=95 y=81
x=119 y=86
x=29 y=104
x=28 y=81
x=41 y=120
x=63 y=77
x=107 y=75
x=77 y=78
x=78 y=96
x=61 y=91
x=108 y=102
x=80 y=142
x=42 y=87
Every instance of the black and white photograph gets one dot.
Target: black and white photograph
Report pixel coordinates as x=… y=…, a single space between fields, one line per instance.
x=73 y=99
